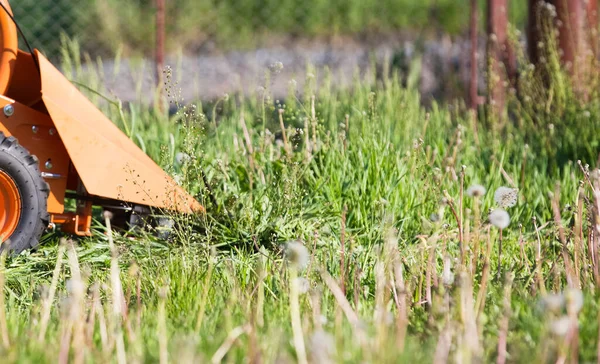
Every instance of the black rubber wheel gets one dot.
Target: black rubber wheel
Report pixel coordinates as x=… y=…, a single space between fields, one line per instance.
x=23 y=168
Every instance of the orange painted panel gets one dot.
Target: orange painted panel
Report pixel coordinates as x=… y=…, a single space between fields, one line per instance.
x=9 y=46
x=36 y=132
x=109 y=164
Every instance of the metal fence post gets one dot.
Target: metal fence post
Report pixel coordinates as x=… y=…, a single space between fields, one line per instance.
x=160 y=45
x=574 y=18
x=592 y=24
x=497 y=22
x=473 y=91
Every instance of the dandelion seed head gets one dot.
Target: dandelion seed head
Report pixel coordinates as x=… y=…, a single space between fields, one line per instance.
x=108 y=215
x=323 y=319
x=74 y=286
x=322 y=346
x=553 y=302
x=302 y=284
x=560 y=326
x=500 y=218
x=296 y=254
x=574 y=299
x=506 y=197
x=182 y=157
x=476 y=191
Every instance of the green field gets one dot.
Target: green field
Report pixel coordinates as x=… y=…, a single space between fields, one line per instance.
x=353 y=235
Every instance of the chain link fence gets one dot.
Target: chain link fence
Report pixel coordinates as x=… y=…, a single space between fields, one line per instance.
x=226 y=45
x=44 y=22
x=196 y=25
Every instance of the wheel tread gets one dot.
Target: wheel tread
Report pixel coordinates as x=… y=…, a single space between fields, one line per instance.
x=28 y=172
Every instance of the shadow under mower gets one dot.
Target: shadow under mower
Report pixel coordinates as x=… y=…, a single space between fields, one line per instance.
x=55 y=144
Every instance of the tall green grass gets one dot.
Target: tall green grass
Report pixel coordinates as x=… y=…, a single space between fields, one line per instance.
x=364 y=194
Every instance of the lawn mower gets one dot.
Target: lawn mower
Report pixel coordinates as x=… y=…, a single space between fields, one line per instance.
x=57 y=146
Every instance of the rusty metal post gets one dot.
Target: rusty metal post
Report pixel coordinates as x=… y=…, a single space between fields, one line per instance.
x=570 y=28
x=591 y=12
x=473 y=92
x=498 y=53
x=533 y=31
x=577 y=25
x=160 y=42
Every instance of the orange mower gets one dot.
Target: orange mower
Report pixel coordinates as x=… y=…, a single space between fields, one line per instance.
x=55 y=145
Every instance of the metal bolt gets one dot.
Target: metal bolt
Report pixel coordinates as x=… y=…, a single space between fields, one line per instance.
x=48 y=175
x=51 y=131
x=9 y=110
x=48 y=164
x=34 y=129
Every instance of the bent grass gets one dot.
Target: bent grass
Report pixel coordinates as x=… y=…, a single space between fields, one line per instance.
x=372 y=186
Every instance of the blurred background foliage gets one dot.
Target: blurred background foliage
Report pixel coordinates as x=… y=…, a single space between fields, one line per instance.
x=102 y=26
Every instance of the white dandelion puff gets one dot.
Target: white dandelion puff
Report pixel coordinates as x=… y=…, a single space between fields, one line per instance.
x=182 y=158
x=323 y=319
x=297 y=254
x=476 y=191
x=322 y=347
x=500 y=218
x=574 y=298
x=553 y=302
x=302 y=284
x=506 y=197
x=560 y=326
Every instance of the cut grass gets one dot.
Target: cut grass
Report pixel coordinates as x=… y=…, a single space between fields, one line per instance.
x=374 y=186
